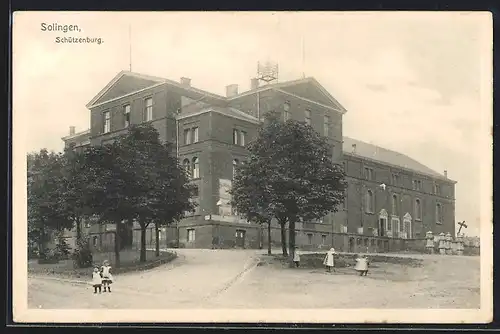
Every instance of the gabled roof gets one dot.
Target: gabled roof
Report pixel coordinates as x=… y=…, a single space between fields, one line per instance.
x=298 y=88
x=124 y=83
x=132 y=82
x=385 y=156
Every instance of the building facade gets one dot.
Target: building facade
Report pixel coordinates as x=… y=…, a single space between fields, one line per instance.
x=390 y=196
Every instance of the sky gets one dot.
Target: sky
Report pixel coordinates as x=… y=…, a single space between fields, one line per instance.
x=417 y=83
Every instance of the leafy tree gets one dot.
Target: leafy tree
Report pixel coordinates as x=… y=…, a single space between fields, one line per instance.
x=107 y=192
x=251 y=197
x=294 y=163
x=160 y=189
x=136 y=178
x=72 y=201
x=44 y=214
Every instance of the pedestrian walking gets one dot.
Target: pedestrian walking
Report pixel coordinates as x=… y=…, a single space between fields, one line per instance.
x=329 y=261
x=296 y=256
x=96 y=280
x=362 y=265
x=107 y=277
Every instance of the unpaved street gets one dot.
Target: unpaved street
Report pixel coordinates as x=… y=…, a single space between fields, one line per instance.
x=230 y=279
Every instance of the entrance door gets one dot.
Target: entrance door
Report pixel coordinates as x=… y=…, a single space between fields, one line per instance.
x=240 y=238
x=381 y=227
x=351 y=245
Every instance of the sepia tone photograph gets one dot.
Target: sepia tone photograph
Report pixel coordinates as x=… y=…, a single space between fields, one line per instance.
x=330 y=167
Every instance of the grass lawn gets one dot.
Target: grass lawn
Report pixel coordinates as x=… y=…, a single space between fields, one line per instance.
x=129 y=261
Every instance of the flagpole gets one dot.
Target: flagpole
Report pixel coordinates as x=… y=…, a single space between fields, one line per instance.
x=130 y=46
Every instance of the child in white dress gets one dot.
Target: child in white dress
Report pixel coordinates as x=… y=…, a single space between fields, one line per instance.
x=362 y=265
x=296 y=257
x=96 y=280
x=107 y=278
x=329 y=261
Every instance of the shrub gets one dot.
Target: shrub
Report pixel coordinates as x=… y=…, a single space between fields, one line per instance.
x=48 y=256
x=62 y=250
x=174 y=244
x=82 y=256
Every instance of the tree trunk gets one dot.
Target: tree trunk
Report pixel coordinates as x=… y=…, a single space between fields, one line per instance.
x=269 y=237
x=78 y=229
x=283 y=238
x=143 y=242
x=291 y=239
x=157 y=232
x=41 y=240
x=117 y=245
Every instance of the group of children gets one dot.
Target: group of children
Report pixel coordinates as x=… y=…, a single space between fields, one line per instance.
x=101 y=277
x=361 y=267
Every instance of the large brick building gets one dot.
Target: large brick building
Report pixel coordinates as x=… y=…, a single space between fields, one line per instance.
x=390 y=197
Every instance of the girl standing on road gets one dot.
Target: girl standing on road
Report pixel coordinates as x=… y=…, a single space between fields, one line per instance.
x=96 y=280
x=296 y=257
x=107 y=278
x=362 y=265
x=329 y=260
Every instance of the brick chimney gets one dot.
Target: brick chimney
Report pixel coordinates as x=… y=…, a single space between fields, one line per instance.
x=445 y=173
x=231 y=90
x=71 y=130
x=254 y=83
x=186 y=82
x=354 y=148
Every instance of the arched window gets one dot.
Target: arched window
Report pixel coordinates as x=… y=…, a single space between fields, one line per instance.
x=439 y=213
x=369 y=201
x=187 y=166
x=418 y=210
x=196 y=168
x=395 y=205
x=235 y=165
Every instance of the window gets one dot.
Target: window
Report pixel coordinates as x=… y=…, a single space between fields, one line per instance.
x=196 y=168
x=437 y=189
x=191 y=235
x=323 y=239
x=326 y=126
x=309 y=238
x=286 y=106
x=439 y=214
x=94 y=241
x=286 y=116
x=368 y=173
x=242 y=138
x=344 y=200
x=308 y=116
x=235 y=137
x=187 y=136
x=395 y=205
x=369 y=201
x=148 y=112
x=196 y=137
x=107 y=122
x=187 y=166
x=418 y=209
x=395 y=179
x=126 y=115
x=417 y=185
x=235 y=165
x=395 y=226
x=196 y=192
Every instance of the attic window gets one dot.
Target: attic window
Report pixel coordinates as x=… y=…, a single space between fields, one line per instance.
x=308 y=116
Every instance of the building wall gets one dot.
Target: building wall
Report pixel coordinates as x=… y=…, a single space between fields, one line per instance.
x=216 y=152
x=358 y=186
